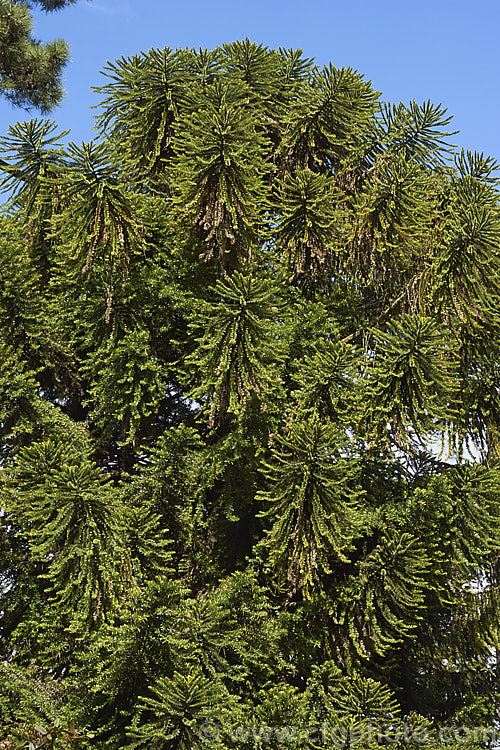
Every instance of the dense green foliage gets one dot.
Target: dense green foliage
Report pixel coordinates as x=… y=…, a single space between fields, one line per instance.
x=249 y=415
x=30 y=72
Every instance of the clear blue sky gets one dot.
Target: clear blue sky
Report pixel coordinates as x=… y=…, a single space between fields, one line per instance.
x=444 y=50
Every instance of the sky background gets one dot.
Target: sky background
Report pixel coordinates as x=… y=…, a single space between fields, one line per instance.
x=446 y=51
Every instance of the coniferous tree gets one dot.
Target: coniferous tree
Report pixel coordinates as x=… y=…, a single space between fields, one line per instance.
x=30 y=72
x=249 y=415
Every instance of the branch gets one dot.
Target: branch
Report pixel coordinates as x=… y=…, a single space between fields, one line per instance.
x=382 y=315
x=11 y=170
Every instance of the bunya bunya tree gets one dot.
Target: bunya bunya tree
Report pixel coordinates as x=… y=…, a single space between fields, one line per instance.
x=249 y=415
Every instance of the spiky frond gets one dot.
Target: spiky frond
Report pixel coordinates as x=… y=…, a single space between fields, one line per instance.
x=140 y=104
x=330 y=120
x=311 y=500
x=220 y=158
x=237 y=345
x=181 y=706
x=383 y=603
x=309 y=225
x=411 y=381
x=100 y=221
x=72 y=519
